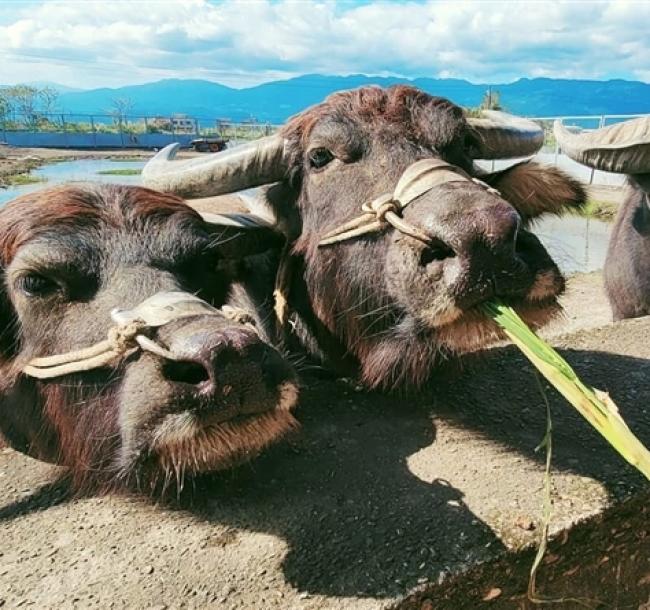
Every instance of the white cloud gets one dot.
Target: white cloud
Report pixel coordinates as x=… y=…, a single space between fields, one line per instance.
x=113 y=42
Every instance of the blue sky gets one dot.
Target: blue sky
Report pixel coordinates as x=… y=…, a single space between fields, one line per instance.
x=92 y=43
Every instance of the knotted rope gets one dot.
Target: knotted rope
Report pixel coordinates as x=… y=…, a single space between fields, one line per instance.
x=383 y=211
x=121 y=339
x=127 y=335
x=418 y=178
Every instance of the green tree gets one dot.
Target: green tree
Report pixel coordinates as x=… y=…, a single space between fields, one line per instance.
x=5 y=107
x=24 y=100
x=491 y=100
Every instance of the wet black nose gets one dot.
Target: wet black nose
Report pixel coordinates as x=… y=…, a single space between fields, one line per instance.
x=213 y=362
x=489 y=264
x=473 y=252
x=489 y=237
x=472 y=240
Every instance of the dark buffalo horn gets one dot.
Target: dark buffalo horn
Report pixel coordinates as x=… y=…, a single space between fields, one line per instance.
x=505 y=136
x=623 y=148
x=252 y=164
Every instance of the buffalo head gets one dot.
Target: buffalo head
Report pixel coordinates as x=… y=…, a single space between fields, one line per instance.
x=623 y=148
x=211 y=394
x=390 y=303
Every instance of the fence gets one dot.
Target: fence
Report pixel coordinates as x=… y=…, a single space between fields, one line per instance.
x=120 y=131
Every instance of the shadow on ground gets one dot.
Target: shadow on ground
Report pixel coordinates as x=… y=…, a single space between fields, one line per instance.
x=355 y=518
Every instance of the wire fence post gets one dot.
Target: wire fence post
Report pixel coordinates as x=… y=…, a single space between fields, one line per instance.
x=119 y=126
x=92 y=127
x=65 y=132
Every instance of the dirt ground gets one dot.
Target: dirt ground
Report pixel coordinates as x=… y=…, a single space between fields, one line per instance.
x=585 y=305
x=377 y=498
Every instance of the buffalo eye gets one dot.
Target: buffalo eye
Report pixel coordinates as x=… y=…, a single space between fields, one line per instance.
x=37 y=285
x=320 y=157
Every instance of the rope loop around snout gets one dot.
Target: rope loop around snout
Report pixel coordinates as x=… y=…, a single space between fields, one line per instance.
x=383 y=211
x=122 y=338
x=120 y=342
x=128 y=335
x=416 y=180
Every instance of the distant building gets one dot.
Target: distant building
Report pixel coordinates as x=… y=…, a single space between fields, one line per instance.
x=177 y=122
x=181 y=122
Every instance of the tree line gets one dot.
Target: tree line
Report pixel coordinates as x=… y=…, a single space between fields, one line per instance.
x=31 y=103
x=35 y=107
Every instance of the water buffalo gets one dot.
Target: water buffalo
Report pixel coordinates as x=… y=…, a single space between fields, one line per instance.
x=623 y=148
x=427 y=237
x=206 y=393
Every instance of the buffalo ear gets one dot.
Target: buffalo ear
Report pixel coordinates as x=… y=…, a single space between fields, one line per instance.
x=534 y=189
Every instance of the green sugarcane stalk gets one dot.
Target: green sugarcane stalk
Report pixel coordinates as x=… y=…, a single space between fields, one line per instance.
x=595 y=406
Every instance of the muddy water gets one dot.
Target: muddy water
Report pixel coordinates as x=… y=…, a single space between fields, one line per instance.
x=85 y=170
x=577 y=244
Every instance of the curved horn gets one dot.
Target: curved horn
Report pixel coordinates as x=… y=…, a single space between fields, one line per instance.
x=505 y=136
x=623 y=148
x=252 y=164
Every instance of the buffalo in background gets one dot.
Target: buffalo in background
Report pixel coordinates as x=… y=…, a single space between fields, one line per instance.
x=623 y=148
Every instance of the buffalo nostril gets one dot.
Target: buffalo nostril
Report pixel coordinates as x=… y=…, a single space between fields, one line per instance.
x=185 y=371
x=435 y=251
x=226 y=356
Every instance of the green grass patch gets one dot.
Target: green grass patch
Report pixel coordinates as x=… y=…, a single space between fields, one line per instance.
x=120 y=172
x=601 y=210
x=23 y=179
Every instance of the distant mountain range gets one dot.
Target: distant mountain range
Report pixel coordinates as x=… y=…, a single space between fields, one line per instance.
x=274 y=102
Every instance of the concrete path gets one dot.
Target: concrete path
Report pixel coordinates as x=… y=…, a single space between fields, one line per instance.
x=428 y=501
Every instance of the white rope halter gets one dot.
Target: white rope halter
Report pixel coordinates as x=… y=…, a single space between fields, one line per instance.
x=126 y=336
x=417 y=179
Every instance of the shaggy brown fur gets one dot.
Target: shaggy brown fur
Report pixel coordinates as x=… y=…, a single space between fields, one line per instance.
x=383 y=306
x=406 y=108
x=106 y=246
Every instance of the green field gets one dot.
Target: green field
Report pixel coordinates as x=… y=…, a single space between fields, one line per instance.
x=120 y=172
